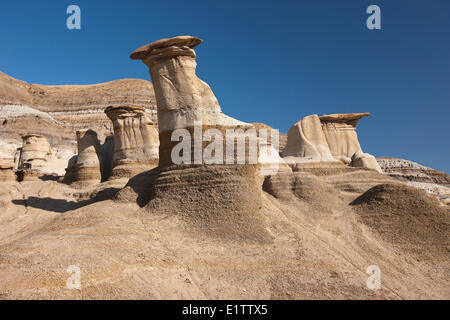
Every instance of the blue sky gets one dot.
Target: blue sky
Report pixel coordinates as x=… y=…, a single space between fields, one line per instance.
x=266 y=61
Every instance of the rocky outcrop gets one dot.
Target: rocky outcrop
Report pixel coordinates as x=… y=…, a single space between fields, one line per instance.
x=85 y=168
x=136 y=141
x=7 y=170
x=340 y=133
x=306 y=142
x=57 y=112
x=189 y=115
x=74 y=106
x=432 y=181
x=186 y=103
x=365 y=160
x=34 y=156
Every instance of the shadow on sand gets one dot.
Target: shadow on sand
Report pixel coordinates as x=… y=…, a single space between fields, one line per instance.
x=61 y=205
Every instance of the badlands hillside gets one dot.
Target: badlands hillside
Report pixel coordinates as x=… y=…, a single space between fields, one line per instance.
x=89 y=182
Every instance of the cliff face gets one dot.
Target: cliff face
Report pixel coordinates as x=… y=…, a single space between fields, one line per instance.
x=57 y=112
x=73 y=106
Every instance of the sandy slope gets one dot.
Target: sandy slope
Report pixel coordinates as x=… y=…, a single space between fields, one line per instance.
x=318 y=242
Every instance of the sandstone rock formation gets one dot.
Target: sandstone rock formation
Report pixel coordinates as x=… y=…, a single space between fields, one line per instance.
x=86 y=166
x=74 y=106
x=365 y=160
x=306 y=142
x=184 y=100
x=432 y=181
x=340 y=132
x=34 y=155
x=136 y=141
x=107 y=154
x=59 y=111
x=7 y=170
x=188 y=111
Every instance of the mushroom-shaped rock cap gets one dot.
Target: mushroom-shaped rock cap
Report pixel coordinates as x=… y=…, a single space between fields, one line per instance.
x=29 y=135
x=143 y=51
x=123 y=111
x=125 y=108
x=343 y=117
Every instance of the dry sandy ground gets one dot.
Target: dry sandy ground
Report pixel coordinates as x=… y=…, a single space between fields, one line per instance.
x=320 y=231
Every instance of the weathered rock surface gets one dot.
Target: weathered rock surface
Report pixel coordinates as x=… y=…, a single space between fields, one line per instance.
x=340 y=132
x=34 y=156
x=214 y=231
x=85 y=168
x=136 y=141
x=432 y=181
x=183 y=100
x=204 y=181
x=306 y=142
x=73 y=106
x=57 y=112
x=365 y=160
x=7 y=170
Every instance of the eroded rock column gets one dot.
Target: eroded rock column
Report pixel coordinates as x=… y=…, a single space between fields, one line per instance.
x=34 y=155
x=136 y=141
x=225 y=196
x=86 y=167
x=182 y=98
x=340 y=132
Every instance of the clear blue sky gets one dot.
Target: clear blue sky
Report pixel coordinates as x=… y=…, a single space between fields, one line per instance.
x=267 y=61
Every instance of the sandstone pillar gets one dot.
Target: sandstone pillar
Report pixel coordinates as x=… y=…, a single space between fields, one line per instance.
x=225 y=196
x=34 y=155
x=88 y=161
x=7 y=170
x=135 y=141
x=181 y=97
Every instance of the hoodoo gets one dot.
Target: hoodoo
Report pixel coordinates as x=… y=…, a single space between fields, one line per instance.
x=86 y=167
x=186 y=104
x=135 y=141
x=340 y=132
x=34 y=156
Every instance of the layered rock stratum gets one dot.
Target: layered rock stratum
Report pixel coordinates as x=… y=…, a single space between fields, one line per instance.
x=57 y=112
x=432 y=181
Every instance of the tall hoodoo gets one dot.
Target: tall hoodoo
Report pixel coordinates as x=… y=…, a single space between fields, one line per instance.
x=34 y=155
x=187 y=103
x=135 y=141
x=87 y=166
x=183 y=100
x=181 y=97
